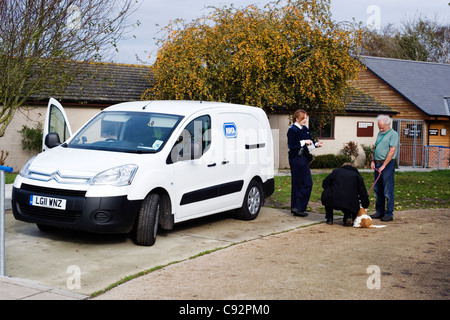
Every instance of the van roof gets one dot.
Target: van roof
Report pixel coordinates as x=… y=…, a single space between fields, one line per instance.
x=179 y=107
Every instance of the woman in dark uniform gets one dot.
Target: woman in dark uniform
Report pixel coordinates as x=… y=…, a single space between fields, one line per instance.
x=299 y=140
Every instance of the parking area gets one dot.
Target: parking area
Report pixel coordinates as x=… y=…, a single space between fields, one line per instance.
x=84 y=263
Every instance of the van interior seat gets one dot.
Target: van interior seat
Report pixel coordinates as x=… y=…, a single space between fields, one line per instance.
x=138 y=131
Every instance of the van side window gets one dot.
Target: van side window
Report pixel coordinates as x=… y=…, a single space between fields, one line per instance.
x=194 y=140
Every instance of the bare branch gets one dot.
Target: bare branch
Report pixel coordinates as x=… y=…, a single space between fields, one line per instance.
x=38 y=37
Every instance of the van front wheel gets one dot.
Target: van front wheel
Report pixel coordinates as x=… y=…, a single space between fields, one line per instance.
x=252 y=203
x=148 y=220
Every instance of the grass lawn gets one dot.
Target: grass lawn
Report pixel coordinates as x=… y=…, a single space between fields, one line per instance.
x=413 y=190
x=9 y=177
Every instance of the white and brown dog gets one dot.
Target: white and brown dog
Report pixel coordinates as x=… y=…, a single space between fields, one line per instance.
x=363 y=220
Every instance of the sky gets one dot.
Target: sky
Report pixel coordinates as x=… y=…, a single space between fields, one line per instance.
x=154 y=14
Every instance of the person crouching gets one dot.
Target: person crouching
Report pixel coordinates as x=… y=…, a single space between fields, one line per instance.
x=344 y=189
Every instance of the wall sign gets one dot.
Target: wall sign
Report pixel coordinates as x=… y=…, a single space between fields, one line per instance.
x=433 y=132
x=364 y=129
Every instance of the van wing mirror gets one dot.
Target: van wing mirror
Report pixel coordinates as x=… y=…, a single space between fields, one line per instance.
x=52 y=140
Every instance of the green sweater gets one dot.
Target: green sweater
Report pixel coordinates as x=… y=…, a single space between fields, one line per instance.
x=384 y=142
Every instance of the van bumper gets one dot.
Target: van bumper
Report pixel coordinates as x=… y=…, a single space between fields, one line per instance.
x=94 y=214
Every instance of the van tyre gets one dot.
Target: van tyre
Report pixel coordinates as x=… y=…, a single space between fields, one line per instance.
x=253 y=200
x=148 y=220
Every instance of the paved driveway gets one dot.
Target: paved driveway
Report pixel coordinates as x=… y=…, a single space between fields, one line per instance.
x=85 y=263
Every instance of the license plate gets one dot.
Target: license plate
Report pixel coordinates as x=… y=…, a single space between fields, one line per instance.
x=48 y=202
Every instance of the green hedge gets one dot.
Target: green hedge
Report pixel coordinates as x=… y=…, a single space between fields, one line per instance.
x=326 y=161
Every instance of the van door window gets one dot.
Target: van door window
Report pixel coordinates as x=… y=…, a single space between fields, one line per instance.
x=194 y=141
x=58 y=124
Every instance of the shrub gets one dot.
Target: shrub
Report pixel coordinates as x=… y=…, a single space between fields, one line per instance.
x=32 y=138
x=350 y=150
x=368 y=151
x=327 y=161
x=3 y=157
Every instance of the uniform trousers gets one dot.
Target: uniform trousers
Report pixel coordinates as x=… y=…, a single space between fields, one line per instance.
x=301 y=183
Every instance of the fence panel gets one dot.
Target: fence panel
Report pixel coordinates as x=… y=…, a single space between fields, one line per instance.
x=411 y=148
x=438 y=157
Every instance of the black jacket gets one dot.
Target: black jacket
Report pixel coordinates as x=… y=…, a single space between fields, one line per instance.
x=344 y=189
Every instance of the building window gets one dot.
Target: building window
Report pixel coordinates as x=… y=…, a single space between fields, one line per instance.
x=320 y=130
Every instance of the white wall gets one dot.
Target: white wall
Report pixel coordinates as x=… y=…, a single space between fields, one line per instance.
x=280 y=124
x=346 y=131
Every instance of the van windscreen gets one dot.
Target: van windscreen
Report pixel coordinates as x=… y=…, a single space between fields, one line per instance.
x=123 y=131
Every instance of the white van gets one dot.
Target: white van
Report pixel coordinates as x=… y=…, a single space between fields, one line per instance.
x=137 y=166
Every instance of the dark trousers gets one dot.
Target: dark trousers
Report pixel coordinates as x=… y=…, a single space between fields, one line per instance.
x=348 y=214
x=384 y=190
x=301 y=183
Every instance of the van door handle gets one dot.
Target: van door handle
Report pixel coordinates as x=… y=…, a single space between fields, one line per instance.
x=225 y=162
x=211 y=165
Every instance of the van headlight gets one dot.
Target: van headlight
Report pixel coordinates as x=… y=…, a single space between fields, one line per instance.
x=118 y=176
x=25 y=170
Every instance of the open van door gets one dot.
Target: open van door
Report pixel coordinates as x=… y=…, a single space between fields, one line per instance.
x=56 y=126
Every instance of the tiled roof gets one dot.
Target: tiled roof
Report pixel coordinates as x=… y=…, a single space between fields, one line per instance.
x=107 y=83
x=424 y=84
x=362 y=102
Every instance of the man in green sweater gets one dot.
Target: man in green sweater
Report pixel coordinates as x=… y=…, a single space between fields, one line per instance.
x=385 y=153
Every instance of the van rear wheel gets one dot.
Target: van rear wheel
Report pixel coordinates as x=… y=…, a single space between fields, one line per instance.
x=148 y=220
x=252 y=203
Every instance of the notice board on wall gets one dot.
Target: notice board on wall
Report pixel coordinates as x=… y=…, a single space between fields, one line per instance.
x=364 y=129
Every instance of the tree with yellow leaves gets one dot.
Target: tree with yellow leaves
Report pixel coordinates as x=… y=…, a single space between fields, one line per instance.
x=289 y=54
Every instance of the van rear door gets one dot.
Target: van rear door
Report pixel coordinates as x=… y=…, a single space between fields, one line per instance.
x=55 y=122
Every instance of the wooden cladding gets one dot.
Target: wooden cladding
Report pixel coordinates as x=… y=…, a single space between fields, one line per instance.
x=374 y=86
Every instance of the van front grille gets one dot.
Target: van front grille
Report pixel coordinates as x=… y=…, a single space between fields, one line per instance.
x=47 y=214
x=53 y=191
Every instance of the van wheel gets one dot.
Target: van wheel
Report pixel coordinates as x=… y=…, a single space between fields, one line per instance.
x=148 y=220
x=252 y=203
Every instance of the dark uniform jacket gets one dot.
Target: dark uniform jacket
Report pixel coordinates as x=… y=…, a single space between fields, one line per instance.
x=294 y=136
x=344 y=189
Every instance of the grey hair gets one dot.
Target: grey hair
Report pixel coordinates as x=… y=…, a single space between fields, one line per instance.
x=385 y=118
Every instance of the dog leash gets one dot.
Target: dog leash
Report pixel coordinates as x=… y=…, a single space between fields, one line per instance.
x=379 y=175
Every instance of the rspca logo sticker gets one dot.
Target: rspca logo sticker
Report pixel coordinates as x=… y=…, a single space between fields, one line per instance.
x=230 y=130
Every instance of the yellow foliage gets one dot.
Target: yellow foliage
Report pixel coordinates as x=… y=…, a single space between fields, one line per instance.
x=288 y=54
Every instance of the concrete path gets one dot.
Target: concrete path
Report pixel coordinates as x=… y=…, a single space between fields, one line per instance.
x=73 y=265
